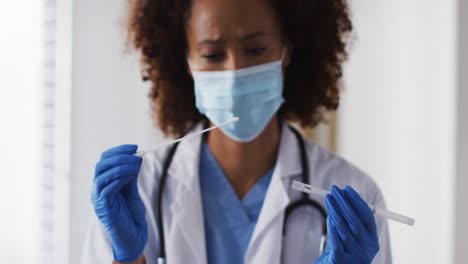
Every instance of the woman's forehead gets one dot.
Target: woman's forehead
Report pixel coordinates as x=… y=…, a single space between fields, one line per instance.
x=225 y=19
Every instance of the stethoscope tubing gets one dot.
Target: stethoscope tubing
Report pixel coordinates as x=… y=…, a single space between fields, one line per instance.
x=303 y=201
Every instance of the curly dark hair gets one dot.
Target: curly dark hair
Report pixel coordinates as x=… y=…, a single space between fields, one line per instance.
x=318 y=31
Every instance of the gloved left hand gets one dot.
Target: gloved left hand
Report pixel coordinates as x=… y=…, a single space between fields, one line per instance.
x=352 y=232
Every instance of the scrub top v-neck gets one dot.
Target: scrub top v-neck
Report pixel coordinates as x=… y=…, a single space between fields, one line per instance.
x=229 y=222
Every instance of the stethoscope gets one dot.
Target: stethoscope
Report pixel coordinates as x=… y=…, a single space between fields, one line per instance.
x=301 y=202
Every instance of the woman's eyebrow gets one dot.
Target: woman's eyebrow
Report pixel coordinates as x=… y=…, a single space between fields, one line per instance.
x=211 y=42
x=253 y=35
x=219 y=41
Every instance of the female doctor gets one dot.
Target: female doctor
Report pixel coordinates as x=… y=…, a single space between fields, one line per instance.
x=225 y=197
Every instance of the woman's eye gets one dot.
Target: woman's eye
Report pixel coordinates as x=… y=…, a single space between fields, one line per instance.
x=213 y=56
x=255 y=51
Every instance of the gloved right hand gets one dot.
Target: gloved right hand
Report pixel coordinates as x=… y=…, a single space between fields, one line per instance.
x=117 y=203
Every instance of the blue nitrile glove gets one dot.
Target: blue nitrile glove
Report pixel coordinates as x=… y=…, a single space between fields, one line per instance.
x=117 y=203
x=352 y=232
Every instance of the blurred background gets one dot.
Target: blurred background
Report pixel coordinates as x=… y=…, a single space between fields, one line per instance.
x=69 y=90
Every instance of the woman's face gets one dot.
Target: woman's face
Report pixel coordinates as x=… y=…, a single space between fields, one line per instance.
x=233 y=34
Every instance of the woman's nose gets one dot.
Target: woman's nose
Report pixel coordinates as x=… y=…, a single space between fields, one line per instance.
x=235 y=61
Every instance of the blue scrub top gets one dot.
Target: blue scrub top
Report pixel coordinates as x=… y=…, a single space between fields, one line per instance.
x=229 y=222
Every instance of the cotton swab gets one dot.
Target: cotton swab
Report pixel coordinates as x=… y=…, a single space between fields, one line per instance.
x=234 y=119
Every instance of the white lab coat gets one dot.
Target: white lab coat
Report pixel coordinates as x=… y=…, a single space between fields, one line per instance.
x=183 y=214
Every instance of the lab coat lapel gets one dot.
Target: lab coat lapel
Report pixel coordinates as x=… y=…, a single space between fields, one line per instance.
x=187 y=209
x=265 y=244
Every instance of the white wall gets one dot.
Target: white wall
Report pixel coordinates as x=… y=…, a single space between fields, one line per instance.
x=461 y=237
x=397 y=117
x=109 y=102
x=20 y=130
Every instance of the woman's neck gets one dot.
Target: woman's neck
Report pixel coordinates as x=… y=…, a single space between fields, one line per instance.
x=245 y=163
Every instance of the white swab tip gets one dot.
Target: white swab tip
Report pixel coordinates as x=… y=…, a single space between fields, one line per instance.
x=297 y=185
x=140 y=153
x=233 y=120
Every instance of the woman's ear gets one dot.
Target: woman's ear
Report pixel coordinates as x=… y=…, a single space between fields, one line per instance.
x=187 y=65
x=289 y=53
x=189 y=72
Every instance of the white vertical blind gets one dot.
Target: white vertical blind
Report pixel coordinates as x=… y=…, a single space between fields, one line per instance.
x=48 y=126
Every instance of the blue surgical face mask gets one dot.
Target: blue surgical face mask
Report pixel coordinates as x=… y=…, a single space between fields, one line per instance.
x=253 y=94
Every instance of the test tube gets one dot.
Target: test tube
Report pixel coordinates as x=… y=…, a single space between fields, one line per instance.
x=307 y=188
